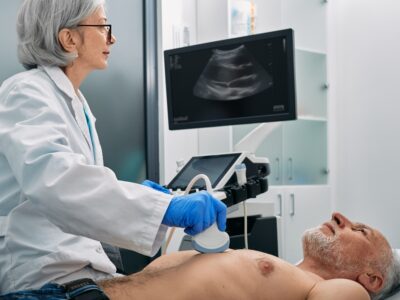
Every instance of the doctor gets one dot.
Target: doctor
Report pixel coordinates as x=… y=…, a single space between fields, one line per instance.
x=57 y=200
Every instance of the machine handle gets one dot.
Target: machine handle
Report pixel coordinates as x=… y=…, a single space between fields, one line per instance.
x=279 y=214
x=278 y=169
x=290 y=168
x=292 y=206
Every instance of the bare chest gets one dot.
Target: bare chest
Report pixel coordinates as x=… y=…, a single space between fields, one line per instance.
x=251 y=277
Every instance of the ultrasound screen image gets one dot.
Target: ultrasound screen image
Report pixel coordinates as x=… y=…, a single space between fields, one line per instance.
x=232 y=75
x=231 y=82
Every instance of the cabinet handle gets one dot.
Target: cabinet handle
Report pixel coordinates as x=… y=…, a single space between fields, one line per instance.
x=292 y=208
x=279 y=205
x=290 y=168
x=278 y=169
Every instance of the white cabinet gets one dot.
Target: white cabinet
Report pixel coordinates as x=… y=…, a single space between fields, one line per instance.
x=300 y=208
x=298 y=149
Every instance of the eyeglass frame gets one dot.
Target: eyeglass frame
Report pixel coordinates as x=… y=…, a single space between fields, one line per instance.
x=109 y=34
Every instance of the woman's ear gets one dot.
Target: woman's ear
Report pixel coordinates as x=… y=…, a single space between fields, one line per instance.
x=67 y=40
x=373 y=282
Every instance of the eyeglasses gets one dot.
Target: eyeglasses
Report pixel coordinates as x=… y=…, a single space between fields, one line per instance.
x=107 y=28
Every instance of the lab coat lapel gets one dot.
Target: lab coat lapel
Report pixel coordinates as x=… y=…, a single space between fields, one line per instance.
x=65 y=85
x=97 y=147
x=80 y=118
x=96 y=143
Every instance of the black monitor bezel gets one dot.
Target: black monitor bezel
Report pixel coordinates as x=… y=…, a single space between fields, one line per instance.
x=291 y=114
x=234 y=155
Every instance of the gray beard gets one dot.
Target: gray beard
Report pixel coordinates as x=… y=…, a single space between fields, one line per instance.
x=328 y=251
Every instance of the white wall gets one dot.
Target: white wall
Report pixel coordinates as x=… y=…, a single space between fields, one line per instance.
x=364 y=44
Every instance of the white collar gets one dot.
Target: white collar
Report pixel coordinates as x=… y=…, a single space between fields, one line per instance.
x=60 y=79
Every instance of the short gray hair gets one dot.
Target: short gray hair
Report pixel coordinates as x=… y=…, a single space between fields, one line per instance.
x=392 y=278
x=38 y=25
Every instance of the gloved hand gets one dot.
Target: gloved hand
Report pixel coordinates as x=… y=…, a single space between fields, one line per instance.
x=155 y=186
x=195 y=212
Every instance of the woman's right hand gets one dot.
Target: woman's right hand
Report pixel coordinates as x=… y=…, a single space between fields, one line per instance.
x=195 y=212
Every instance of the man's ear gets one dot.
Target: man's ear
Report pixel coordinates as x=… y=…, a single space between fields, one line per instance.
x=373 y=282
x=67 y=40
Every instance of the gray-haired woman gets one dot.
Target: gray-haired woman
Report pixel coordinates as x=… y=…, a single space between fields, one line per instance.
x=57 y=200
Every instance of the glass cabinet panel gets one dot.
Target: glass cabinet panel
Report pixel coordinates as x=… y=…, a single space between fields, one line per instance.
x=305 y=152
x=311 y=84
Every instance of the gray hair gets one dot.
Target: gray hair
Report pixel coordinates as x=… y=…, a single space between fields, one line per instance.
x=392 y=278
x=38 y=25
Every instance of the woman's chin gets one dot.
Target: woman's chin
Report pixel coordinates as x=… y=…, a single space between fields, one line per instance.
x=102 y=66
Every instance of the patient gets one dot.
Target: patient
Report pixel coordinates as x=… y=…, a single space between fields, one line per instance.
x=342 y=260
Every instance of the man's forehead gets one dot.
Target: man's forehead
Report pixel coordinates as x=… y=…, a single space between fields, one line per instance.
x=379 y=237
x=376 y=235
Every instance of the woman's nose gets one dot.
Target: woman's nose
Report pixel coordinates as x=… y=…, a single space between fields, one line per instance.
x=340 y=220
x=113 y=39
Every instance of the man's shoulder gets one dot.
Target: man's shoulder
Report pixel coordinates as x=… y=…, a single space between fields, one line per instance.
x=338 y=289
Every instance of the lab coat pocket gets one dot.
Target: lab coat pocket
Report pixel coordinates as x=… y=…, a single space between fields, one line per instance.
x=41 y=270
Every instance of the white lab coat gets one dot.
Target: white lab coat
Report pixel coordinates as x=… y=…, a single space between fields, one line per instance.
x=57 y=200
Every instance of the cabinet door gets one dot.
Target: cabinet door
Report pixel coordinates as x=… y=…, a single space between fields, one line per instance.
x=305 y=140
x=305 y=152
x=270 y=148
x=304 y=207
x=311 y=84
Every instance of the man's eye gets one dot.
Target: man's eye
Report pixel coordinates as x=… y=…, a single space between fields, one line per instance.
x=362 y=230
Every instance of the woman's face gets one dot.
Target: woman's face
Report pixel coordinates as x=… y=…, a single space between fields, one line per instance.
x=94 y=46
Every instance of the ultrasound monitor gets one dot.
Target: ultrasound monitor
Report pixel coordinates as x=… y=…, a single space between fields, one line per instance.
x=242 y=80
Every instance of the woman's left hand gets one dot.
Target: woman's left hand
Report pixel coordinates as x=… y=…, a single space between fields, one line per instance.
x=156 y=186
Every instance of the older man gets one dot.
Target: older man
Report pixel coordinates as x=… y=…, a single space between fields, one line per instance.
x=342 y=260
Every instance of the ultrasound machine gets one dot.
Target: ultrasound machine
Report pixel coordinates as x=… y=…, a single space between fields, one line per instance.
x=236 y=81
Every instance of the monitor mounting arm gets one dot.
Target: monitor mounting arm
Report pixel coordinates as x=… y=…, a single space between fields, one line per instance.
x=254 y=138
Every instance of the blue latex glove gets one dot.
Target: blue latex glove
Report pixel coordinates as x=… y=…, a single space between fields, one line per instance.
x=155 y=186
x=195 y=212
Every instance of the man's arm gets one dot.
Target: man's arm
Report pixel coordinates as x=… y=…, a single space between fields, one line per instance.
x=338 y=289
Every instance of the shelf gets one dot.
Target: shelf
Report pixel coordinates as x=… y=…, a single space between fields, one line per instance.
x=311 y=118
x=313 y=51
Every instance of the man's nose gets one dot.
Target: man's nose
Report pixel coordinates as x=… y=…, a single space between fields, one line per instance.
x=340 y=220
